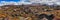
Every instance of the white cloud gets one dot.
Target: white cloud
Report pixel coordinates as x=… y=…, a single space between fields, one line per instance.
x=42 y=0
x=57 y=3
x=13 y=3
x=1 y=4
x=49 y=2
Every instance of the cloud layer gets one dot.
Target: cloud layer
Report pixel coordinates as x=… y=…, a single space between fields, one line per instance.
x=48 y=2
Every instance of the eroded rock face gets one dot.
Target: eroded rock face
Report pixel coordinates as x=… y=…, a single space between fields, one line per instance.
x=46 y=17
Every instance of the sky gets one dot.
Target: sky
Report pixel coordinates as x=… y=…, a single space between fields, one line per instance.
x=20 y=2
x=10 y=0
x=13 y=2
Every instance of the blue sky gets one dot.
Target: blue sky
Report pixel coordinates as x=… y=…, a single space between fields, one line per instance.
x=14 y=2
x=11 y=0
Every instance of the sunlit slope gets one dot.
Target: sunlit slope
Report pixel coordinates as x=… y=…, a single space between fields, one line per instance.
x=22 y=9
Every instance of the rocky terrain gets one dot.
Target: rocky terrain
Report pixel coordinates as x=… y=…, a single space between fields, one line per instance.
x=15 y=12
